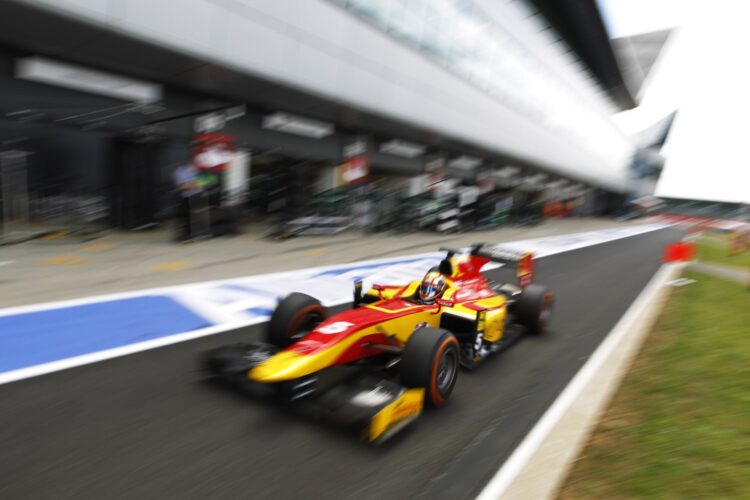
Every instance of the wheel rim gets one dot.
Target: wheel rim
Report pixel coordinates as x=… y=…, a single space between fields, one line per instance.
x=446 y=371
x=546 y=314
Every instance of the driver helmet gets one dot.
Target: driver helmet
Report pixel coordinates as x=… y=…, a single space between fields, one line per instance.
x=432 y=286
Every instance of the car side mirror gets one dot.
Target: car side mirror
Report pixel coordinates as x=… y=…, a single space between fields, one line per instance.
x=357 y=293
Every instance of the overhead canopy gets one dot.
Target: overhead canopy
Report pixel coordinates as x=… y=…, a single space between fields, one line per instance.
x=580 y=24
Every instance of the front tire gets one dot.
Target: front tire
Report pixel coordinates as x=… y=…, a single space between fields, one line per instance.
x=431 y=360
x=295 y=316
x=535 y=308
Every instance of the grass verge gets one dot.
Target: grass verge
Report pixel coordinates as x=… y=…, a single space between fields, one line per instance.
x=679 y=427
x=714 y=247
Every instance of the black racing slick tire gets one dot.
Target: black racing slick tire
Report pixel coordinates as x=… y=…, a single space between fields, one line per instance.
x=293 y=318
x=431 y=360
x=535 y=308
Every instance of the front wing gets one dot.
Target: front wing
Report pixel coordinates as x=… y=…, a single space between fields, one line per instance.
x=377 y=408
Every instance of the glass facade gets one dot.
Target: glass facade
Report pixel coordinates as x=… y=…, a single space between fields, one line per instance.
x=466 y=41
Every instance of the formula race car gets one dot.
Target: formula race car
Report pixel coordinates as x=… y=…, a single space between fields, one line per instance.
x=402 y=345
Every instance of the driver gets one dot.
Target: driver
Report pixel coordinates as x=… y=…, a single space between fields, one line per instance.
x=433 y=285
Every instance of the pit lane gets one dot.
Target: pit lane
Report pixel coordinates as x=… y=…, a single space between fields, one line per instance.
x=147 y=425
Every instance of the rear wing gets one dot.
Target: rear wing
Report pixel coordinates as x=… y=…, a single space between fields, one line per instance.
x=522 y=261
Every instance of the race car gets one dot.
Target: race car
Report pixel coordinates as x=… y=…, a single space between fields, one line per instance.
x=404 y=343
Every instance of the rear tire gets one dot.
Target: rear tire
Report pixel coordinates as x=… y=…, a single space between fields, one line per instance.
x=296 y=316
x=431 y=360
x=535 y=308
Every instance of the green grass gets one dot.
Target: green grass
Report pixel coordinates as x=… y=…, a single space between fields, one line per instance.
x=679 y=427
x=714 y=247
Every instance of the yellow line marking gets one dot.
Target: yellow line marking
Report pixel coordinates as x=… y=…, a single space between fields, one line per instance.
x=66 y=260
x=97 y=247
x=315 y=251
x=175 y=265
x=54 y=236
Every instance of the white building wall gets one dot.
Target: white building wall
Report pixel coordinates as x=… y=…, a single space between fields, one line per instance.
x=318 y=47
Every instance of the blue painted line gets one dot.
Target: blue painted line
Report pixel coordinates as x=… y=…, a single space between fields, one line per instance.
x=41 y=337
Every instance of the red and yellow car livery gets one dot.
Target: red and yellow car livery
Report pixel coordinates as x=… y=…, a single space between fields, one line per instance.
x=400 y=333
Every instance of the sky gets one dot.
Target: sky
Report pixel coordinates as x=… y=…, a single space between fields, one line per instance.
x=704 y=73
